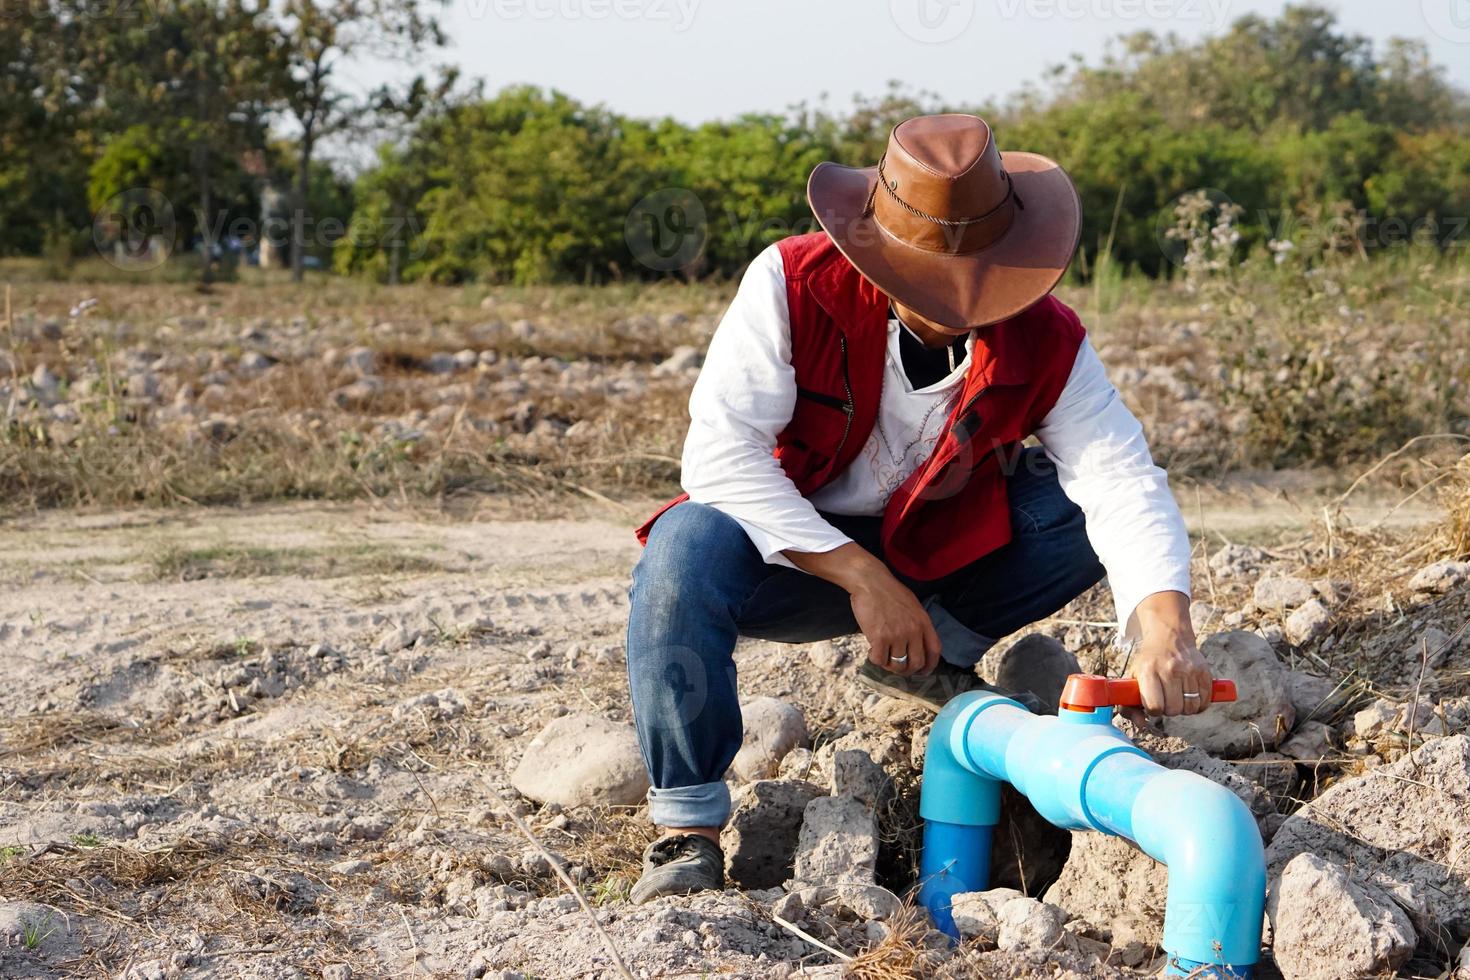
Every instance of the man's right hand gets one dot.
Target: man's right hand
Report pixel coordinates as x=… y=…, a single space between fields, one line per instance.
x=900 y=634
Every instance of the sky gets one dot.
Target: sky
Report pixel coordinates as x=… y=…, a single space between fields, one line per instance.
x=698 y=60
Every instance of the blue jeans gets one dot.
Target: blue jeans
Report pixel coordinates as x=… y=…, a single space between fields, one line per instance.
x=700 y=584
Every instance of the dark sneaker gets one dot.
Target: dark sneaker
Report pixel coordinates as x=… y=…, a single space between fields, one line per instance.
x=679 y=865
x=934 y=691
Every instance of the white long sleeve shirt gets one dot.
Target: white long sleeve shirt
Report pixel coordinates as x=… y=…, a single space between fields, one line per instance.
x=746 y=394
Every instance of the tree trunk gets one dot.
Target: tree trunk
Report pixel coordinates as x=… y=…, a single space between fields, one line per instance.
x=298 y=211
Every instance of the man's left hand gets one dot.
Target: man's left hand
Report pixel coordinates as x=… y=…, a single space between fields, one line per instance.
x=1173 y=678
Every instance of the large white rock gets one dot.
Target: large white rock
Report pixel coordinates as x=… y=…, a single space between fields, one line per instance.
x=760 y=840
x=772 y=729
x=1308 y=622
x=1402 y=828
x=583 y=760
x=1327 y=926
x=1263 y=714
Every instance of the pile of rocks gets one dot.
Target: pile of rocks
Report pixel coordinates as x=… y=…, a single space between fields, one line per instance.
x=1383 y=850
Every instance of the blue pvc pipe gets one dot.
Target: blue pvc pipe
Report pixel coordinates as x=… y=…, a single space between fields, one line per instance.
x=1082 y=773
x=955 y=859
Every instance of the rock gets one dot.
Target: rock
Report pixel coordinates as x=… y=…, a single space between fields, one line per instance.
x=760 y=839
x=43 y=379
x=1430 y=650
x=355 y=867
x=1038 y=664
x=582 y=759
x=1282 y=592
x=466 y=360
x=802 y=764
x=337 y=971
x=358 y=394
x=1327 y=926
x=523 y=329
x=1308 y=622
x=1264 y=713
x=855 y=774
x=1311 y=742
x=1441 y=577
x=826 y=655
x=867 y=902
x=1399 y=827
x=397 y=638
x=838 y=842
x=1237 y=560
x=1315 y=697
x=772 y=729
x=1376 y=719
x=974 y=917
x=1203 y=617
x=682 y=359
x=361 y=361
x=1026 y=923
x=440 y=362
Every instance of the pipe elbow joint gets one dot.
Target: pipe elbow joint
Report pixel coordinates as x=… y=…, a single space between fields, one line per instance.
x=1212 y=846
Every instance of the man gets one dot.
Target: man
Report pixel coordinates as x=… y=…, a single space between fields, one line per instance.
x=854 y=463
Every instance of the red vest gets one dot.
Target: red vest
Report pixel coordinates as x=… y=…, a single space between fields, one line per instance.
x=953 y=508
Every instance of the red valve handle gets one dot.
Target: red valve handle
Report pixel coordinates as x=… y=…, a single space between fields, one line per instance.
x=1086 y=692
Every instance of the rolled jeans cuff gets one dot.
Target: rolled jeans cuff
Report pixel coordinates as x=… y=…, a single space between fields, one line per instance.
x=705 y=805
x=958 y=644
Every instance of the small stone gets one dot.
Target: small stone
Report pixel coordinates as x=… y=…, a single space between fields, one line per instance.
x=466 y=360
x=772 y=729
x=1430 y=650
x=826 y=655
x=359 y=394
x=1026 y=923
x=1441 y=577
x=1282 y=592
x=361 y=361
x=352 y=867
x=1308 y=622
x=1311 y=742
x=1375 y=719
x=1203 y=617
x=539 y=650
x=337 y=971
x=1328 y=926
x=682 y=359
x=1237 y=560
x=440 y=362
x=974 y=917
x=396 y=639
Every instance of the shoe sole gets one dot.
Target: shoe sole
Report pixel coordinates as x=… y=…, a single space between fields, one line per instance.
x=901 y=695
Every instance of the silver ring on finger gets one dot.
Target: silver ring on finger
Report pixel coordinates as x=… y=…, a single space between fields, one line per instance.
x=1191 y=696
x=898 y=660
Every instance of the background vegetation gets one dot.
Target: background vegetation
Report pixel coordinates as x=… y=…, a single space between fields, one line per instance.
x=1313 y=131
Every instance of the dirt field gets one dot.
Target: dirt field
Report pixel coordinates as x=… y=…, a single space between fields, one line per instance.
x=269 y=742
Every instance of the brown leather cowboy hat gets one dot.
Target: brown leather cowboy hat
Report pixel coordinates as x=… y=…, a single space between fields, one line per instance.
x=948 y=225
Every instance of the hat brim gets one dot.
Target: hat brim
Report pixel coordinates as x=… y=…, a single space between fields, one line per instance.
x=970 y=290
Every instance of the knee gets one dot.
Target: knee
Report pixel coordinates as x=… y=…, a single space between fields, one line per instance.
x=691 y=546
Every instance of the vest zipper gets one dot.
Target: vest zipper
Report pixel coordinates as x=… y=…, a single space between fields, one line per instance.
x=848 y=408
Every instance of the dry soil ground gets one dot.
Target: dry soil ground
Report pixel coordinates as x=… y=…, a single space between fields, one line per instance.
x=263 y=742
